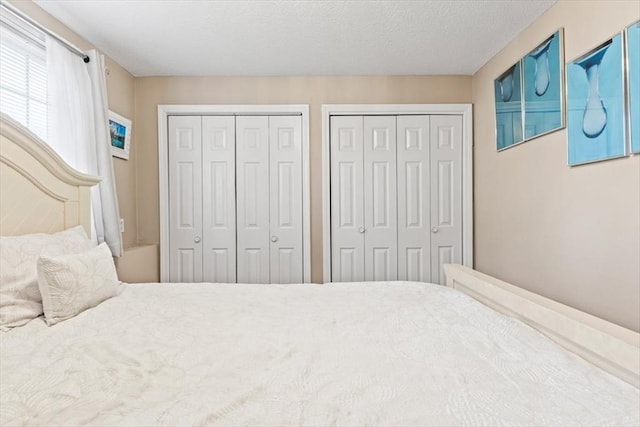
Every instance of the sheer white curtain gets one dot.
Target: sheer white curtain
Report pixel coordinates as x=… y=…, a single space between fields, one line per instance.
x=78 y=130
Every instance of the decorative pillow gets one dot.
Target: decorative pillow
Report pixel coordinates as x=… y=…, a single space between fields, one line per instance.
x=70 y=284
x=20 y=300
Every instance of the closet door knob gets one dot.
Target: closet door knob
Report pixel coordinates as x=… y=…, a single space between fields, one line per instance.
x=274 y=239
x=362 y=230
x=197 y=239
x=435 y=230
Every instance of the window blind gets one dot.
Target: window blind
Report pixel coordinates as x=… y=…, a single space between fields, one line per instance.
x=23 y=73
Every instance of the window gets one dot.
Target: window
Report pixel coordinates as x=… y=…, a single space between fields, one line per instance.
x=23 y=73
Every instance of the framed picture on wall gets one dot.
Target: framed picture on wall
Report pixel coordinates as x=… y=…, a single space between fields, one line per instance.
x=543 y=91
x=595 y=104
x=508 y=107
x=632 y=43
x=120 y=133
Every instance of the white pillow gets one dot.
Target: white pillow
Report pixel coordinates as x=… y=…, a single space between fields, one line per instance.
x=70 y=284
x=20 y=300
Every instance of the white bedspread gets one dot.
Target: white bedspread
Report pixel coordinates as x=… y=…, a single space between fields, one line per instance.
x=341 y=354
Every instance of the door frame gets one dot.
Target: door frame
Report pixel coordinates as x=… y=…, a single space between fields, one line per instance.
x=464 y=110
x=166 y=110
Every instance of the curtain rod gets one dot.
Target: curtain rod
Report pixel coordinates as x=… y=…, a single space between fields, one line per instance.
x=45 y=30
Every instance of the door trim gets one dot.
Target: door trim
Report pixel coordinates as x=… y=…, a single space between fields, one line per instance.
x=464 y=110
x=166 y=110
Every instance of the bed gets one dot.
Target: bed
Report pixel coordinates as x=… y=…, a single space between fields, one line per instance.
x=477 y=352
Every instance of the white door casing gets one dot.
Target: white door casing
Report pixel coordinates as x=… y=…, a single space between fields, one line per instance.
x=286 y=222
x=185 y=182
x=380 y=202
x=252 y=198
x=331 y=111
x=219 y=199
x=347 y=199
x=446 y=194
x=414 y=226
x=209 y=110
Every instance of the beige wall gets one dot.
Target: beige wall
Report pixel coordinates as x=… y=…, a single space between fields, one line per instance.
x=314 y=91
x=571 y=234
x=120 y=88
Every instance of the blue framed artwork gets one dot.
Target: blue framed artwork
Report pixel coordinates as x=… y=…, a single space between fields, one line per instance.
x=542 y=86
x=595 y=104
x=120 y=133
x=632 y=36
x=508 y=104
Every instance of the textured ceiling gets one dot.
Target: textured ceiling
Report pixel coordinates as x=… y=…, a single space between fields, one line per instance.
x=316 y=37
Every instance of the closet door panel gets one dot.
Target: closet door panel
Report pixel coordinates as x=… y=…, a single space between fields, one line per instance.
x=218 y=199
x=414 y=246
x=446 y=194
x=252 y=187
x=185 y=193
x=285 y=170
x=347 y=199
x=380 y=201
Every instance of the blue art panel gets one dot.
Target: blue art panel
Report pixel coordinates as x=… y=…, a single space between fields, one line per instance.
x=595 y=118
x=633 y=73
x=542 y=78
x=508 y=102
x=118 y=133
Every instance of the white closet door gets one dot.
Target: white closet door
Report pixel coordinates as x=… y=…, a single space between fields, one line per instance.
x=219 y=199
x=285 y=169
x=347 y=199
x=252 y=187
x=380 y=201
x=414 y=242
x=446 y=194
x=185 y=193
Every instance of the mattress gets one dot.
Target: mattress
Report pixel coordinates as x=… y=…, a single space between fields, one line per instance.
x=340 y=354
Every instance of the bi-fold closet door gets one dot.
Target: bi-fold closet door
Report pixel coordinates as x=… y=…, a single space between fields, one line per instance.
x=396 y=195
x=235 y=191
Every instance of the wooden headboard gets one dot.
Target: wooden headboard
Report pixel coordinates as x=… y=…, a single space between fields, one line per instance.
x=39 y=192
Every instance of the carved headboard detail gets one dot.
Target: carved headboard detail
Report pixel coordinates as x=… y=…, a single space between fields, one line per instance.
x=39 y=192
